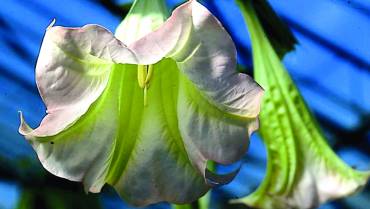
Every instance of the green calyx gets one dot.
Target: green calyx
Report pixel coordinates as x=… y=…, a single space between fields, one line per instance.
x=144 y=17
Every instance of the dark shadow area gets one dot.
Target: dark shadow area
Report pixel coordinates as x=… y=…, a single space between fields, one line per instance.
x=3 y=23
x=348 y=138
x=119 y=11
x=42 y=190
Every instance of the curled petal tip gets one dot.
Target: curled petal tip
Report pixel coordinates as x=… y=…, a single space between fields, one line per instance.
x=214 y=179
x=257 y=101
x=24 y=128
x=51 y=24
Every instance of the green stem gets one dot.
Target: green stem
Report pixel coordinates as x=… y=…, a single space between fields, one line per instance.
x=205 y=201
x=186 y=206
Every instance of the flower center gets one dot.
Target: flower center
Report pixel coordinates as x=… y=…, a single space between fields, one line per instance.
x=144 y=74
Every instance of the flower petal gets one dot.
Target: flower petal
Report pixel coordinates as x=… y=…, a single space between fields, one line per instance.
x=117 y=141
x=206 y=54
x=81 y=151
x=148 y=153
x=162 y=151
x=72 y=71
x=150 y=163
x=217 y=106
x=208 y=132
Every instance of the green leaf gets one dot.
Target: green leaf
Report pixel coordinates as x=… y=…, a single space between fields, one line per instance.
x=302 y=170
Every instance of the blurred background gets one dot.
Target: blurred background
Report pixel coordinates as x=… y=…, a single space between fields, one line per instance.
x=331 y=66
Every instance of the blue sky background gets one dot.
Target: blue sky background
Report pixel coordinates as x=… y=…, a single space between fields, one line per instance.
x=331 y=66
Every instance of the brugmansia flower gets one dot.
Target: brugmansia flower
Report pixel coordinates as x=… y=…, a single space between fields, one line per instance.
x=144 y=115
x=302 y=170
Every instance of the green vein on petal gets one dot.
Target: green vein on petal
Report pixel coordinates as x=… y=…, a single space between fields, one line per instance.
x=150 y=145
x=302 y=170
x=129 y=114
